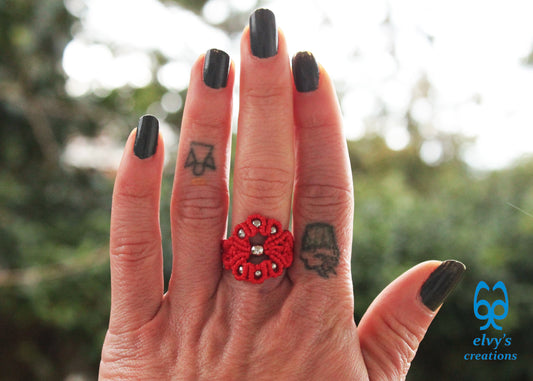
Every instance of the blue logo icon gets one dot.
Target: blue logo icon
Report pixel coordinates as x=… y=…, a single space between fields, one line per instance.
x=491 y=316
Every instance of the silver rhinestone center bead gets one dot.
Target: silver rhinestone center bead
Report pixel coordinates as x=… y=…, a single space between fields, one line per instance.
x=274 y=266
x=257 y=250
x=240 y=270
x=258 y=273
x=273 y=230
x=241 y=233
x=256 y=223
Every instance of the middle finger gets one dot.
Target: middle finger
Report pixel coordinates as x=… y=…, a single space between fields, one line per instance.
x=264 y=162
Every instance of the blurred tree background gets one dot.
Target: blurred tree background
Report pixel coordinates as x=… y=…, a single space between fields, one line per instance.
x=54 y=217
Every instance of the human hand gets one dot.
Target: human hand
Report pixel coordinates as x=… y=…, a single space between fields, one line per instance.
x=290 y=149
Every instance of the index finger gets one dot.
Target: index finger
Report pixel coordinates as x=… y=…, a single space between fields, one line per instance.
x=323 y=196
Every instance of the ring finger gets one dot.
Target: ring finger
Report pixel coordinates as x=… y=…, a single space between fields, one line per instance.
x=200 y=193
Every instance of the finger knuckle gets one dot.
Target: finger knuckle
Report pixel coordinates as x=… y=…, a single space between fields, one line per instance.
x=122 y=354
x=319 y=124
x=132 y=195
x=265 y=94
x=318 y=199
x=267 y=185
x=207 y=123
x=404 y=337
x=264 y=104
x=201 y=205
x=134 y=249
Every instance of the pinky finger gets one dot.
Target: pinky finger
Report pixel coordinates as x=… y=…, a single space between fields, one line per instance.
x=135 y=243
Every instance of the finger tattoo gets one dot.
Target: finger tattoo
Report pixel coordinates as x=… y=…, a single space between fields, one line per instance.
x=200 y=158
x=319 y=251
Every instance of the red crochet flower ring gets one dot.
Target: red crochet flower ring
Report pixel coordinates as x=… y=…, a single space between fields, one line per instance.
x=258 y=249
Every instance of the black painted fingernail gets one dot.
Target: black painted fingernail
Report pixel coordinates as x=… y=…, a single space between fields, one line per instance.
x=263 y=33
x=305 y=72
x=146 y=137
x=441 y=283
x=216 y=68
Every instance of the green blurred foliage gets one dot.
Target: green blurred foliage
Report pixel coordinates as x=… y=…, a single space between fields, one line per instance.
x=54 y=281
x=54 y=219
x=407 y=212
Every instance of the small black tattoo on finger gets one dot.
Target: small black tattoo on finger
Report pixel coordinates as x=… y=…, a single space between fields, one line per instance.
x=319 y=250
x=200 y=158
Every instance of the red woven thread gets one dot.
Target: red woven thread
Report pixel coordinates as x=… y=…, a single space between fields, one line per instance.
x=278 y=248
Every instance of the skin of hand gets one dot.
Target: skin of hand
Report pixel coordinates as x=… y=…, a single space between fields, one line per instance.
x=291 y=155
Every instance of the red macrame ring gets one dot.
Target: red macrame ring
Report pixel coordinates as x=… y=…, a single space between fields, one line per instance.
x=258 y=249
